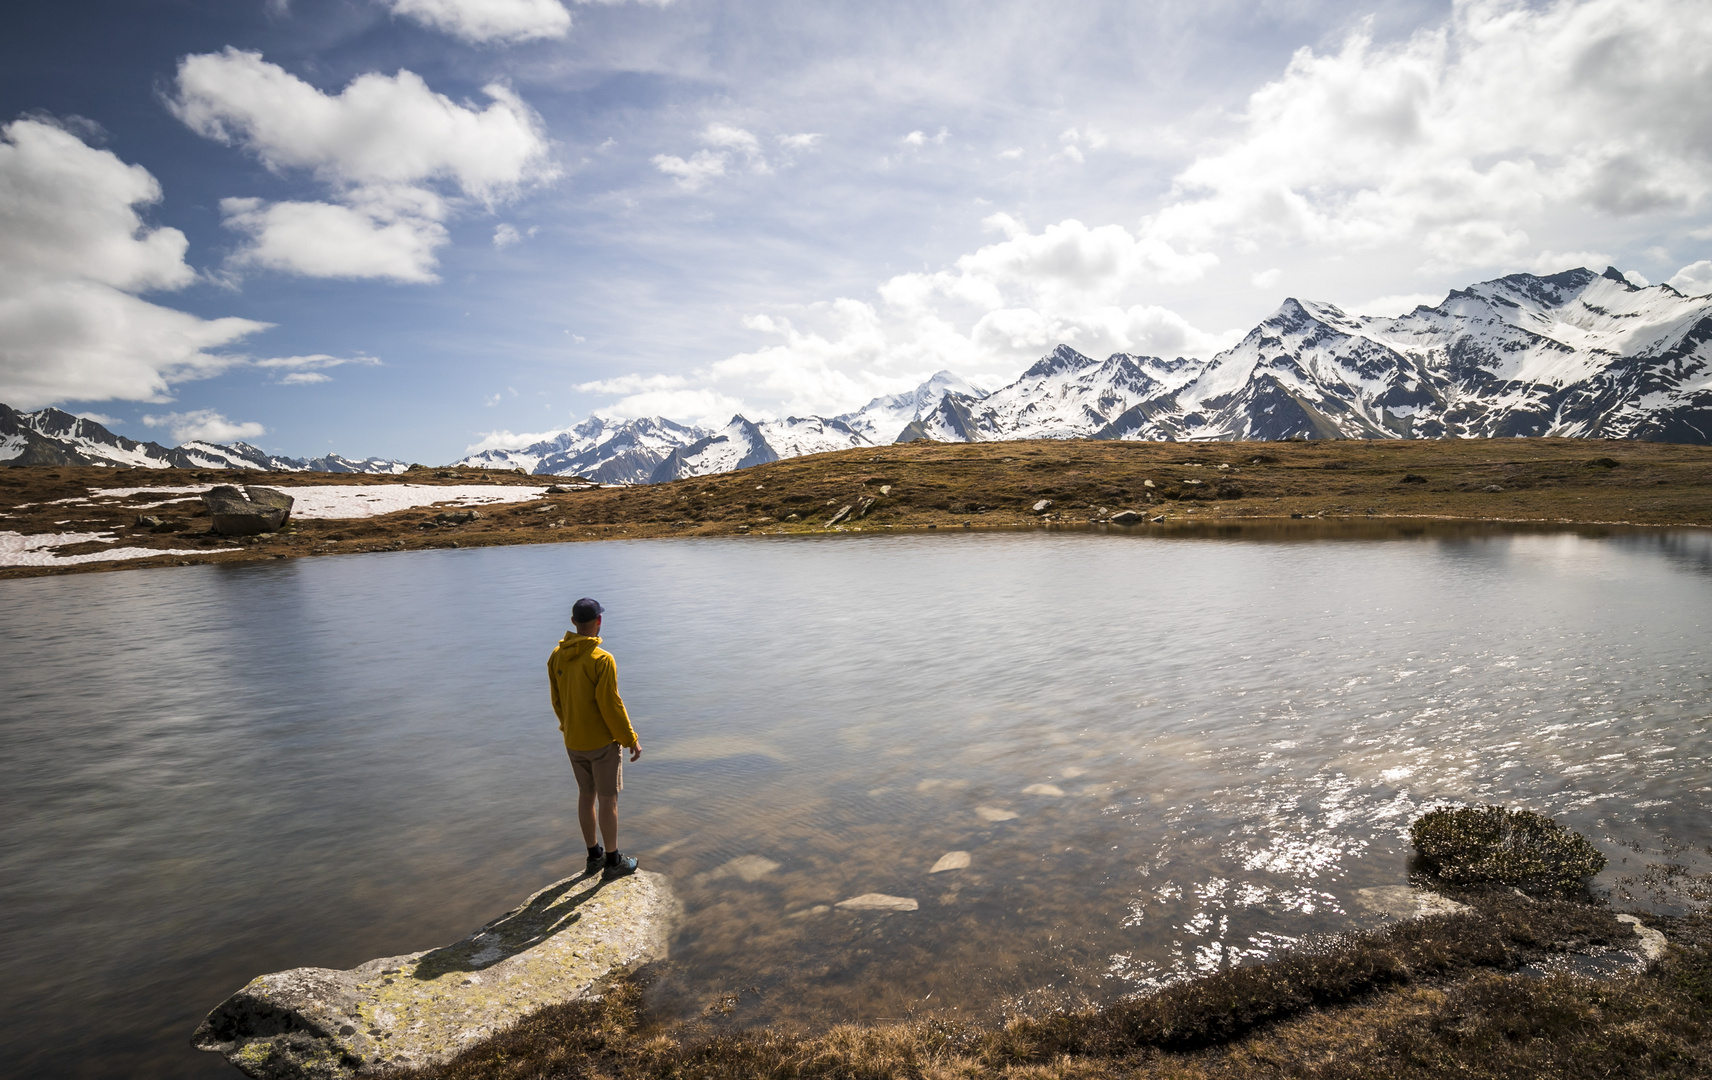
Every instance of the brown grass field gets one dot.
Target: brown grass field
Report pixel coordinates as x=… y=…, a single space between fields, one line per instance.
x=1192 y=486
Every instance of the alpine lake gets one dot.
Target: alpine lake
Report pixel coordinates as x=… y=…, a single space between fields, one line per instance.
x=1158 y=755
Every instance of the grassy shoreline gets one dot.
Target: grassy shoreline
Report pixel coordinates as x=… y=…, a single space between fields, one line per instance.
x=1439 y=997
x=924 y=486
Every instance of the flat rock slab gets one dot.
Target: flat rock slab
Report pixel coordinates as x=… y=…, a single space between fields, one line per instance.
x=424 y=1007
x=874 y=901
x=1404 y=902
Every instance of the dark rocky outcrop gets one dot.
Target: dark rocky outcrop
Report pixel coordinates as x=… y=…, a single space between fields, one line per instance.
x=248 y=512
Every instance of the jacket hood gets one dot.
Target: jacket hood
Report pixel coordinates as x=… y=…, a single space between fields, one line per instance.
x=577 y=644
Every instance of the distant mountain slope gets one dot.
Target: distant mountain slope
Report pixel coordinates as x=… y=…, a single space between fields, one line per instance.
x=601 y=449
x=738 y=445
x=53 y=437
x=1576 y=354
x=884 y=419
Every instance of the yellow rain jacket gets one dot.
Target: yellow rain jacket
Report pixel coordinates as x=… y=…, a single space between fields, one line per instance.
x=584 y=678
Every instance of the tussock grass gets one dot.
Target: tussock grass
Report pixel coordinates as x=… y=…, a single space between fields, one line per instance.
x=1489 y=845
x=1432 y=998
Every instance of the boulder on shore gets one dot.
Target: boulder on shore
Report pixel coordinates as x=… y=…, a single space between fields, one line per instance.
x=248 y=512
x=424 y=1007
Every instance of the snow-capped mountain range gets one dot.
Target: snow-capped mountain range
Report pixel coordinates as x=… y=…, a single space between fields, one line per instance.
x=52 y=437
x=1574 y=354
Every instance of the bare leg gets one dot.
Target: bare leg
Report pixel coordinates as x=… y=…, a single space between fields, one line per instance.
x=608 y=823
x=585 y=816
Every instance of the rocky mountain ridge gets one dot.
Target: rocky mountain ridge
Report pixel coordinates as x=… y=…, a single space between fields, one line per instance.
x=1579 y=354
x=1575 y=354
x=54 y=437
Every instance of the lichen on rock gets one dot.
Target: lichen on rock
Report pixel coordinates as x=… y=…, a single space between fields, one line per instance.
x=424 y=1007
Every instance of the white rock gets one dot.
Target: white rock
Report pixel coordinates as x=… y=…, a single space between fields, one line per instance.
x=874 y=901
x=993 y=813
x=951 y=860
x=1652 y=942
x=1043 y=789
x=421 y=1008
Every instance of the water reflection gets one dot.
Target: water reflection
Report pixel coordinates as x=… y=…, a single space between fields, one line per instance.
x=1156 y=754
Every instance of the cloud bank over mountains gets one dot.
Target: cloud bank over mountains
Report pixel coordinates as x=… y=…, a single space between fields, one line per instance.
x=1458 y=149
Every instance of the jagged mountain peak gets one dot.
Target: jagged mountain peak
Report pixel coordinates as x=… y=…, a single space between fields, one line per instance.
x=1059 y=360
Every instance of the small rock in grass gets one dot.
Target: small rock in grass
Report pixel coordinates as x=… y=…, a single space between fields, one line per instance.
x=1652 y=942
x=1043 y=506
x=951 y=860
x=1127 y=517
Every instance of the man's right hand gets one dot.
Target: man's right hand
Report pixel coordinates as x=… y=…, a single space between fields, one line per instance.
x=636 y=751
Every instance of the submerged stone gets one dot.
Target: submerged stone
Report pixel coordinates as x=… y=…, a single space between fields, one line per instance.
x=424 y=1007
x=747 y=867
x=1405 y=902
x=951 y=860
x=874 y=901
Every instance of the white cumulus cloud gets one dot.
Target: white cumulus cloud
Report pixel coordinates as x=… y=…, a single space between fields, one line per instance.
x=1457 y=141
x=205 y=425
x=386 y=147
x=484 y=21
x=727 y=145
x=1695 y=279
x=303 y=370
x=74 y=254
x=987 y=316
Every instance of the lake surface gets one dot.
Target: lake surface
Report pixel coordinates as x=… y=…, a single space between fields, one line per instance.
x=1161 y=755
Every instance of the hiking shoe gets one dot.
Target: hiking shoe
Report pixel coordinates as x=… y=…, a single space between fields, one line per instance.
x=624 y=867
x=595 y=862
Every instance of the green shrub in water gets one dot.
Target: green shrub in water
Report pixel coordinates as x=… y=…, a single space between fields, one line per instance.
x=1489 y=845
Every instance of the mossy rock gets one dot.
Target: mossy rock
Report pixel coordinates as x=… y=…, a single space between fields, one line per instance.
x=1471 y=846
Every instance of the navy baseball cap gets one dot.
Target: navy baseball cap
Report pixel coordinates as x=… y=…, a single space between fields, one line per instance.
x=586 y=610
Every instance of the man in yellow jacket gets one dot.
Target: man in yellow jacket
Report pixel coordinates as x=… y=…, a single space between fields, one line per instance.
x=596 y=727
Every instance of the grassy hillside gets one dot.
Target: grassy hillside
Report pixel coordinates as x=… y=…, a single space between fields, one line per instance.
x=925 y=485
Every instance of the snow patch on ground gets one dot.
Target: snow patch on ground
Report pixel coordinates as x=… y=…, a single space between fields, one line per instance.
x=16 y=549
x=339 y=501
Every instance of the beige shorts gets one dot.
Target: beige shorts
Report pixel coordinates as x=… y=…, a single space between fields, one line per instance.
x=600 y=771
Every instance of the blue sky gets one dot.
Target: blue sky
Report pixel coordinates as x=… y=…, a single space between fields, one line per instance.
x=409 y=227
